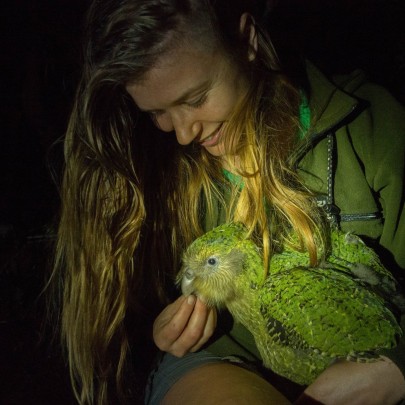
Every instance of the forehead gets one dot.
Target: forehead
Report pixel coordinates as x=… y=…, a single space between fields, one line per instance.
x=182 y=71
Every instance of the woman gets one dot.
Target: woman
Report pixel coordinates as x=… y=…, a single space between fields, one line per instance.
x=134 y=197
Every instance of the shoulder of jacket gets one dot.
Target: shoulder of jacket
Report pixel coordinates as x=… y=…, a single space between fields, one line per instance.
x=350 y=82
x=332 y=105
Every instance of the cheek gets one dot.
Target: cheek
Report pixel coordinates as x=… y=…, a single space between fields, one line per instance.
x=230 y=99
x=222 y=107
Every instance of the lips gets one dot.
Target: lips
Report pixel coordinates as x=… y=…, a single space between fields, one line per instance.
x=213 y=139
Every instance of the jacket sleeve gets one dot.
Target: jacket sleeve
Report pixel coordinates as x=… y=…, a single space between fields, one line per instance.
x=383 y=155
x=384 y=165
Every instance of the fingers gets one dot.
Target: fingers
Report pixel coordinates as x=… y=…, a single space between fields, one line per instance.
x=209 y=328
x=193 y=335
x=183 y=326
x=171 y=322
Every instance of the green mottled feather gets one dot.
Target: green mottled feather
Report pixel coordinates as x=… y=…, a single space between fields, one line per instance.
x=302 y=318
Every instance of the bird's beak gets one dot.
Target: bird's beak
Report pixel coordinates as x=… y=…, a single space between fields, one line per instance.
x=187 y=287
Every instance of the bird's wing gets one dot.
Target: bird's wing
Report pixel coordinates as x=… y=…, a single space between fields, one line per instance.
x=327 y=311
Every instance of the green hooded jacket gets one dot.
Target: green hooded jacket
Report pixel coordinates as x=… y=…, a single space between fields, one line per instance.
x=352 y=156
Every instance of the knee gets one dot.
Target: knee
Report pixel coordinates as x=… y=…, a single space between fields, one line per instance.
x=223 y=383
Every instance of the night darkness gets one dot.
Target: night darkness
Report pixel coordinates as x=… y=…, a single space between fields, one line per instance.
x=40 y=48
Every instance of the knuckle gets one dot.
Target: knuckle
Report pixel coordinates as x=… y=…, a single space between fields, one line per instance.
x=194 y=334
x=161 y=344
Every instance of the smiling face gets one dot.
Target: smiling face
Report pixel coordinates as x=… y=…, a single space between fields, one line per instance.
x=192 y=92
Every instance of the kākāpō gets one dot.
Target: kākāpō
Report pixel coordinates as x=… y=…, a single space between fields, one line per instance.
x=302 y=318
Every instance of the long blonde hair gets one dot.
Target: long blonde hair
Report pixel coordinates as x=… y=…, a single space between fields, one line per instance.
x=132 y=199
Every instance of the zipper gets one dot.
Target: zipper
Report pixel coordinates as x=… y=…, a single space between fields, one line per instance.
x=315 y=137
x=360 y=217
x=335 y=217
x=328 y=202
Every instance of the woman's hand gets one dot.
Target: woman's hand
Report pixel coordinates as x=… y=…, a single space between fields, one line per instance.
x=375 y=383
x=184 y=326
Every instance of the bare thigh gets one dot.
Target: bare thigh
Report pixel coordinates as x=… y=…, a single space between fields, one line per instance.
x=222 y=383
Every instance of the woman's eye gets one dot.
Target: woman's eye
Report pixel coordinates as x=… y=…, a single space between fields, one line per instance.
x=199 y=102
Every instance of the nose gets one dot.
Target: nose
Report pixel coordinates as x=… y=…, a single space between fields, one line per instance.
x=186 y=128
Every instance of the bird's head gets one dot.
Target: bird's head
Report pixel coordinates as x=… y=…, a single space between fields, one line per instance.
x=210 y=273
x=213 y=263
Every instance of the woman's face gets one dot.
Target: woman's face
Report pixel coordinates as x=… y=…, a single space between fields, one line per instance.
x=192 y=92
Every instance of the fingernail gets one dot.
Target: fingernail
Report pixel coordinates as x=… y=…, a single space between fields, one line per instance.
x=190 y=300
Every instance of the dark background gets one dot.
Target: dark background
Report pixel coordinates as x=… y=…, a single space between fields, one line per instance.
x=40 y=47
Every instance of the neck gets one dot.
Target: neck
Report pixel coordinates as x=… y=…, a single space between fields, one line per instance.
x=246 y=308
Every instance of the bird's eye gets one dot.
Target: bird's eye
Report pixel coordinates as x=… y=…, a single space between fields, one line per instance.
x=212 y=261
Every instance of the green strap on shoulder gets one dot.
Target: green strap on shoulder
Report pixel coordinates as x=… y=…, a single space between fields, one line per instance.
x=305 y=116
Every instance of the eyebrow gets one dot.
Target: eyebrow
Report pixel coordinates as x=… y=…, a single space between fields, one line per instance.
x=203 y=87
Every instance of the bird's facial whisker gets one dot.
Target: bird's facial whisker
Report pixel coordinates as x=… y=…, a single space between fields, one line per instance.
x=187 y=287
x=189 y=274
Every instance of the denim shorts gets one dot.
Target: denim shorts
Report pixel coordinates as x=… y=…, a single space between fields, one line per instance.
x=169 y=369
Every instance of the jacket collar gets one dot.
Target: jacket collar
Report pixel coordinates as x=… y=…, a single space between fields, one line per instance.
x=331 y=106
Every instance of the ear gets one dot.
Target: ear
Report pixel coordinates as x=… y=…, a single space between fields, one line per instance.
x=248 y=30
